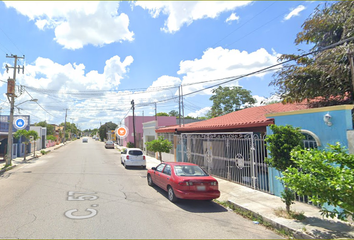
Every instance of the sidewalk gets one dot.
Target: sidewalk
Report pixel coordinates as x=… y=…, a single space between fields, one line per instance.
x=262 y=205
x=19 y=160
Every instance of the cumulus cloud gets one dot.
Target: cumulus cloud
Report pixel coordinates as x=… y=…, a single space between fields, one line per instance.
x=220 y=63
x=232 y=18
x=294 y=12
x=185 y=12
x=77 y=24
x=200 y=113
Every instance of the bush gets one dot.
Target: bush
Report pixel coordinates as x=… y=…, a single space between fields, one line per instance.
x=130 y=145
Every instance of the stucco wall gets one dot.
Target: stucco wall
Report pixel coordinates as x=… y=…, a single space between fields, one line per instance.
x=312 y=120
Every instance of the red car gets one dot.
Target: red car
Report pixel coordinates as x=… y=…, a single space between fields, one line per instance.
x=183 y=180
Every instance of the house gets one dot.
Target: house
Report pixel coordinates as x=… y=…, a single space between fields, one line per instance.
x=42 y=140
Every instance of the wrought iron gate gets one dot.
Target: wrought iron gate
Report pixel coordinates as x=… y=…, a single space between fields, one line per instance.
x=237 y=157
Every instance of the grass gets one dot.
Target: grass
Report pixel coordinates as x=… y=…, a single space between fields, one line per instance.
x=280 y=212
x=254 y=217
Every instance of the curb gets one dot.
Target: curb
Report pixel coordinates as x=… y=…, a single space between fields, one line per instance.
x=2 y=171
x=296 y=234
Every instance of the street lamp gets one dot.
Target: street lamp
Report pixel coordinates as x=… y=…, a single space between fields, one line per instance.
x=31 y=100
x=10 y=137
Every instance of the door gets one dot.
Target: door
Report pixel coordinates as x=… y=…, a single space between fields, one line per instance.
x=165 y=176
x=157 y=174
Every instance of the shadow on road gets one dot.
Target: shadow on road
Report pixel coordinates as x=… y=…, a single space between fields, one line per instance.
x=195 y=206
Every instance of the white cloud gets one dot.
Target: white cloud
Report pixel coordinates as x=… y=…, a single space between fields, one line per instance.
x=294 y=12
x=185 y=12
x=219 y=63
x=77 y=24
x=264 y=101
x=232 y=17
x=200 y=113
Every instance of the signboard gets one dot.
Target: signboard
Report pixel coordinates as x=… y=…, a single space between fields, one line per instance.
x=122 y=132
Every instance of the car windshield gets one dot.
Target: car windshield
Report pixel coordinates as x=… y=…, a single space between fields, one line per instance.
x=135 y=152
x=109 y=142
x=189 y=170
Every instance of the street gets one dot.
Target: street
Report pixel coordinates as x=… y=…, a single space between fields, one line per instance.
x=82 y=191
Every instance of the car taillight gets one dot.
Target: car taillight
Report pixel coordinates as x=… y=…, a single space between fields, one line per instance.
x=214 y=183
x=143 y=157
x=186 y=183
x=127 y=156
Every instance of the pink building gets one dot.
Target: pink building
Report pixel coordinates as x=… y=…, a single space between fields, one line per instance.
x=139 y=120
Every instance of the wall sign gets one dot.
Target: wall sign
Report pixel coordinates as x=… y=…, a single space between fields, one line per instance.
x=20 y=123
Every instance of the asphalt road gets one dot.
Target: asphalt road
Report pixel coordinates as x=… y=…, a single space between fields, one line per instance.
x=82 y=191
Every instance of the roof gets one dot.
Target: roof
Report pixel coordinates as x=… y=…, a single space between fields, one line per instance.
x=245 y=118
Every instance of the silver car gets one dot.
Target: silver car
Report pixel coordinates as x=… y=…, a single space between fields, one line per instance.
x=85 y=140
x=133 y=157
x=109 y=144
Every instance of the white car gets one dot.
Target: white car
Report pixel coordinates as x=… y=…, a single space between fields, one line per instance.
x=85 y=140
x=133 y=157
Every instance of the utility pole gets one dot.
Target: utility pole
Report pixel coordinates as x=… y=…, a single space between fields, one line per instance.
x=132 y=102
x=179 y=106
x=155 y=112
x=66 y=113
x=11 y=83
x=182 y=105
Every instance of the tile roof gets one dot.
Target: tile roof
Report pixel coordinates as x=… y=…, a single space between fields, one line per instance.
x=245 y=118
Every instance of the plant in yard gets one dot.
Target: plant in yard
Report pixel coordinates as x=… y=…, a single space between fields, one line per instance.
x=27 y=135
x=280 y=144
x=130 y=145
x=43 y=152
x=159 y=145
x=327 y=173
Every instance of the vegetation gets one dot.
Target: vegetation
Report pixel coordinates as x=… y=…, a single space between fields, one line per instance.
x=280 y=144
x=51 y=137
x=102 y=131
x=50 y=127
x=329 y=174
x=227 y=100
x=326 y=73
x=159 y=145
x=27 y=135
x=173 y=113
x=162 y=114
x=130 y=145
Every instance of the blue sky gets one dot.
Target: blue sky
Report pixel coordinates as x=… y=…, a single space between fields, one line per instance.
x=93 y=58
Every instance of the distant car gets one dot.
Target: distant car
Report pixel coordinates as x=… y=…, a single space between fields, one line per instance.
x=109 y=144
x=133 y=157
x=183 y=180
x=97 y=138
x=85 y=140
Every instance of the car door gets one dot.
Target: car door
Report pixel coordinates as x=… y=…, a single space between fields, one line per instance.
x=165 y=176
x=157 y=174
x=123 y=154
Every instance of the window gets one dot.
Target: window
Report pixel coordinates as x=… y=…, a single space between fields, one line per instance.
x=189 y=170
x=135 y=152
x=167 y=170
x=125 y=151
x=160 y=167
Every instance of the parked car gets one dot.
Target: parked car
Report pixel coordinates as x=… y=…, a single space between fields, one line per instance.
x=85 y=140
x=133 y=157
x=109 y=144
x=183 y=180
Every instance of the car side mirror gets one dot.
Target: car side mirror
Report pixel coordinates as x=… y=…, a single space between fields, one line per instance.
x=153 y=168
x=121 y=152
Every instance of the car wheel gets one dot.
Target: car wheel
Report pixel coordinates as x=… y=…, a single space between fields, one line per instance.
x=144 y=167
x=150 y=182
x=171 y=194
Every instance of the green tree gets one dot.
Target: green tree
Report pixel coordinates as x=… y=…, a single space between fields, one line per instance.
x=50 y=127
x=102 y=131
x=173 y=113
x=324 y=74
x=51 y=138
x=159 y=145
x=280 y=144
x=327 y=173
x=27 y=135
x=162 y=114
x=227 y=100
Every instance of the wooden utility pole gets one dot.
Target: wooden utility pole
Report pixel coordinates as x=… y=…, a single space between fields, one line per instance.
x=182 y=105
x=11 y=83
x=351 y=60
x=179 y=106
x=155 y=112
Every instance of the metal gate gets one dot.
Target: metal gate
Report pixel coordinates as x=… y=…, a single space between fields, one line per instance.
x=237 y=157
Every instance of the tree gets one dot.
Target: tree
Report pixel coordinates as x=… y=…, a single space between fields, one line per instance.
x=325 y=74
x=329 y=174
x=102 y=131
x=227 y=100
x=173 y=113
x=27 y=135
x=280 y=144
x=159 y=145
x=50 y=127
x=162 y=114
